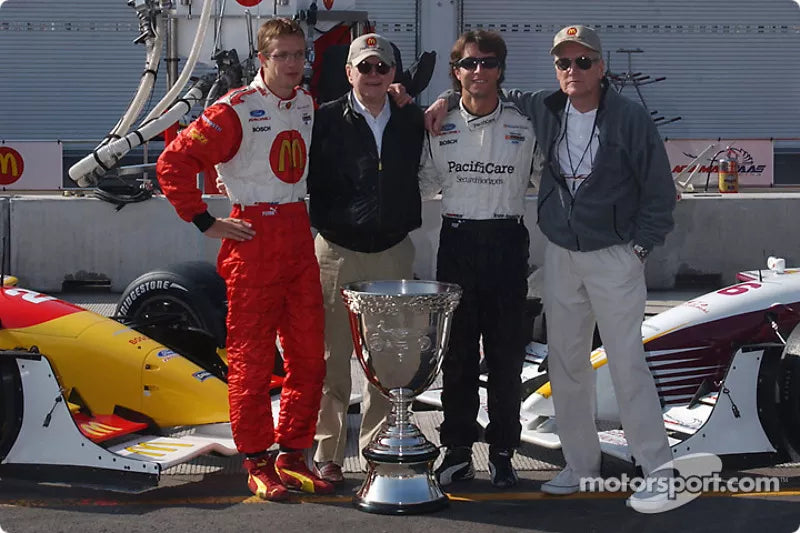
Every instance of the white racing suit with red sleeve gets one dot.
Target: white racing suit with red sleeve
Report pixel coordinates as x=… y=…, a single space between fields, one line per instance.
x=483 y=166
x=259 y=145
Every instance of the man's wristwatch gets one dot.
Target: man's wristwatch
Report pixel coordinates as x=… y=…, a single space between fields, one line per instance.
x=641 y=252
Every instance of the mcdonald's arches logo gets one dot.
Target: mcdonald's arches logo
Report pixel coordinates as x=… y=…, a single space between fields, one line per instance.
x=287 y=157
x=11 y=165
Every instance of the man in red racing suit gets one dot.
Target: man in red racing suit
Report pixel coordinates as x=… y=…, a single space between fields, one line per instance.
x=258 y=138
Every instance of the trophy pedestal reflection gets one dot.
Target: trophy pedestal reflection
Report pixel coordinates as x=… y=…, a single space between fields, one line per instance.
x=400 y=332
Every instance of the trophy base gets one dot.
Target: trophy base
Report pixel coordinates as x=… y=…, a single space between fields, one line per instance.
x=400 y=488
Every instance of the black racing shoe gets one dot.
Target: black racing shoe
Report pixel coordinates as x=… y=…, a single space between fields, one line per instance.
x=456 y=466
x=500 y=469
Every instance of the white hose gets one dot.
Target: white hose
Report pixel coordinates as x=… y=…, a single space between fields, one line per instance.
x=88 y=171
x=191 y=61
x=146 y=83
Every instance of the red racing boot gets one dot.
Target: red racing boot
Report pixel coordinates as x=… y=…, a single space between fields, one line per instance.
x=295 y=474
x=263 y=480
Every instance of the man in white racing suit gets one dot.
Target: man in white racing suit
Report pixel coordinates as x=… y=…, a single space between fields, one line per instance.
x=482 y=163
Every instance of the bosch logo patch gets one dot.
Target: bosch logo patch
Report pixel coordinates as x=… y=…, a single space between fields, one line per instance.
x=448 y=141
x=261 y=129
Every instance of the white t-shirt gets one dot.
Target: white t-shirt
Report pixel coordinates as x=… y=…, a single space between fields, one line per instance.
x=576 y=151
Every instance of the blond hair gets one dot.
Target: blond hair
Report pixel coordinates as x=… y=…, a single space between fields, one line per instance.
x=274 y=28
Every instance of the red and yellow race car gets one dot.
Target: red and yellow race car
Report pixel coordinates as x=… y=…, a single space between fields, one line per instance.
x=93 y=400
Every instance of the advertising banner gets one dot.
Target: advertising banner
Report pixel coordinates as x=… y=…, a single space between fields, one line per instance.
x=30 y=165
x=755 y=157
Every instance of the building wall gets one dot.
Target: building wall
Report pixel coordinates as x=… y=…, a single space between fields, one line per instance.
x=70 y=68
x=721 y=58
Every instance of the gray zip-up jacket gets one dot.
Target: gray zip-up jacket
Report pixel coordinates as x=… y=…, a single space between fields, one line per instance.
x=629 y=195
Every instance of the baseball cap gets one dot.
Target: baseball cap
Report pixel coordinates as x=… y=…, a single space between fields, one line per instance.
x=370 y=44
x=577 y=34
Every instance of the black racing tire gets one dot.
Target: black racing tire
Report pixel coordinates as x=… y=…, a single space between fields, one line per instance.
x=789 y=391
x=10 y=404
x=189 y=294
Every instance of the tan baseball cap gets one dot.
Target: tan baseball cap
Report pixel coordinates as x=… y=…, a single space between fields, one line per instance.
x=577 y=34
x=368 y=45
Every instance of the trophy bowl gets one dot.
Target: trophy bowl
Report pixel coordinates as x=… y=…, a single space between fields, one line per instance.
x=400 y=331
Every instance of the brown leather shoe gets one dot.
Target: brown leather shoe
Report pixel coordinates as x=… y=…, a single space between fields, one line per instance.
x=329 y=471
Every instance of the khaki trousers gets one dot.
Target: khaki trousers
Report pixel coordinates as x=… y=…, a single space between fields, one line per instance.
x=608 y=286
x=339 y=266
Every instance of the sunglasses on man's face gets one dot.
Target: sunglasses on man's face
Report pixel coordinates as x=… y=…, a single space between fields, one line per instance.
x=382 y=68
x=471 y=63
x=583 y=62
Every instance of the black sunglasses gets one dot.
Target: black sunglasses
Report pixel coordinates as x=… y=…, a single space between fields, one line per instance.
x=380 y=66
x=471 y=63
x=583 y=62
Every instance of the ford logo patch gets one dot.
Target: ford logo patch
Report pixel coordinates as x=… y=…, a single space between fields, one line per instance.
x=258 y=113
x=449 y=126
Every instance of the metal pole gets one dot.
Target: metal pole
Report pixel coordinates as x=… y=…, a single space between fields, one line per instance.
x=172 y=50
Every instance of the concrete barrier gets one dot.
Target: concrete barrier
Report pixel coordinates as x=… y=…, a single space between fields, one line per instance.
x=722 y=234
x=53 y=239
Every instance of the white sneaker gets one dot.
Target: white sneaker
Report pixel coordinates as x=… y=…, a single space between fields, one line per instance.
x=654 y=496
x=566 y=482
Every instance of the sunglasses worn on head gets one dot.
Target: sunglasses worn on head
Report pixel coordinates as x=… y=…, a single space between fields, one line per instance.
x=471 y=63
x=583 y=62
x=381 y=67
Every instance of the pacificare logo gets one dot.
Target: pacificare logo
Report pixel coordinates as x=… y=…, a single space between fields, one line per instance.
x=287 y=156
x=11 y=165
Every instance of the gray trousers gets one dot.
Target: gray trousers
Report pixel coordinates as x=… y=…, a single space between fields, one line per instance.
x=338 y=266
x=608 y=286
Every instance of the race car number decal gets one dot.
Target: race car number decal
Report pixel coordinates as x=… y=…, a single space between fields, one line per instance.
x=741 y=288
x=22 y=308
x=30 y=296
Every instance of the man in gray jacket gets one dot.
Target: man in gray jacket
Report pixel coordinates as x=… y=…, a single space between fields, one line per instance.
x=605 y=200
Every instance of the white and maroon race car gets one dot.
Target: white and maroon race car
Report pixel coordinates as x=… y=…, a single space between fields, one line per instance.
x=727 y=369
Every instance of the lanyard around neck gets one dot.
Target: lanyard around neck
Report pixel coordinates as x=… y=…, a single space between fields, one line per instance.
x=565 y=138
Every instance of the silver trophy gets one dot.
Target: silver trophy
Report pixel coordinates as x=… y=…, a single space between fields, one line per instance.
x=400 y=330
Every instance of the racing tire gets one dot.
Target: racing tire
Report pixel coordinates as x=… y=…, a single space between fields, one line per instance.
x=189 y=294
x=182 y=306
